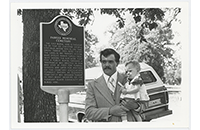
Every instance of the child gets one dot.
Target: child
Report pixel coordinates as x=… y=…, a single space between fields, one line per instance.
x=134 y=88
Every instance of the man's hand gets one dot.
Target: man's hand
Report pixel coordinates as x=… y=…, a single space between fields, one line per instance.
x=130 y=104
x=118 y=110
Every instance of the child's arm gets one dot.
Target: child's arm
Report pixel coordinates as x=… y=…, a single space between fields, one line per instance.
x=137 y=83
x=132 y=91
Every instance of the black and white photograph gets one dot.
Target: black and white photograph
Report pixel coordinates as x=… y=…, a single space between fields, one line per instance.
x=100 y=65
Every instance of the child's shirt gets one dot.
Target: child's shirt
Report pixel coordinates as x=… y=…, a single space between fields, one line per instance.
x=141 y=95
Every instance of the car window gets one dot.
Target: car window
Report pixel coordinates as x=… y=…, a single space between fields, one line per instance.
x=147 y=77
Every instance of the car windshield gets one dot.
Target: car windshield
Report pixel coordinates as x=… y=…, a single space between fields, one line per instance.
x=147 y=77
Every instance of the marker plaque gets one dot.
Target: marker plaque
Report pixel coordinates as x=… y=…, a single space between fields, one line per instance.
x=61 y=55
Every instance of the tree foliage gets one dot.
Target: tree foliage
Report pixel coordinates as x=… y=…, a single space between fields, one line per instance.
x=90 y=40
x=173 y=72
x=147 y=38
x=84 y=16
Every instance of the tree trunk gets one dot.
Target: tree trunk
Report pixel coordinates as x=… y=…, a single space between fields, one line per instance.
x=39 y=106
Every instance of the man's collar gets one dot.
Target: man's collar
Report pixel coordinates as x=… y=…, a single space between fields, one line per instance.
x=114 y=76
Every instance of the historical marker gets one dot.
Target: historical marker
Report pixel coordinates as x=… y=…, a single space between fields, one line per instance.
x=62 y=55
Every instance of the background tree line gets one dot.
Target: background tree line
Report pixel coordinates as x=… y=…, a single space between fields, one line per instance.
x=146 y=38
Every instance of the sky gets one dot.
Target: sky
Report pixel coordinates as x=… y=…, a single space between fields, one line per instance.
x=100 y=25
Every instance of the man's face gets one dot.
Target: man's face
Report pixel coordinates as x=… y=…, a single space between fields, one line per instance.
x=131 y=71
x=109 y=65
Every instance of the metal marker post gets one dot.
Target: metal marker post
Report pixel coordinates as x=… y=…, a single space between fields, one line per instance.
x=63 y=100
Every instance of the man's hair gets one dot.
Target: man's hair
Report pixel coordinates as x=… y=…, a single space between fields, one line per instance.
x=136 y=64
x=109 y=51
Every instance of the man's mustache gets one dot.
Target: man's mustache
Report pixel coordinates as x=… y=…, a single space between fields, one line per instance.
x=107 y=67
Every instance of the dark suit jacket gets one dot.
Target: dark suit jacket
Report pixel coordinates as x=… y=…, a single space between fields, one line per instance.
x=99 y=99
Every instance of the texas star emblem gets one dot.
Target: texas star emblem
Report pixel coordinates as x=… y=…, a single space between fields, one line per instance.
x=63 y=26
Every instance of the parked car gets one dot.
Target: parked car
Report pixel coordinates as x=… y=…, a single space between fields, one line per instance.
x=156 y=107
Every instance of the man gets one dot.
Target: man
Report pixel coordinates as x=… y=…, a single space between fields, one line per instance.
x=103 y=94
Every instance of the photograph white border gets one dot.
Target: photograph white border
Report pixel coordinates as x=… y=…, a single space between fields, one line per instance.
x=185 y=123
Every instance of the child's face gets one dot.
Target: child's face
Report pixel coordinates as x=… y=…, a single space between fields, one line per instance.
x=131 y=71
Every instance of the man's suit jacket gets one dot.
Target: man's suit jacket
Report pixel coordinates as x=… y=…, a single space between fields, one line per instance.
x=99 y=99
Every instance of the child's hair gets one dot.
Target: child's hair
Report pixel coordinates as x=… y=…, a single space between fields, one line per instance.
x=135 y=64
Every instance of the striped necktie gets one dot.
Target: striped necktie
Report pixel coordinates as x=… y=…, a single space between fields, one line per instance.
x=111 y=85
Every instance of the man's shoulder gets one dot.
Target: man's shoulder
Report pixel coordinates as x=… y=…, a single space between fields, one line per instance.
x=96 y=79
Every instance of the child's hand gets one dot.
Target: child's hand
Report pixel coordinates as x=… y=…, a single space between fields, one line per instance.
x=124 y=91
x=121 y=89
